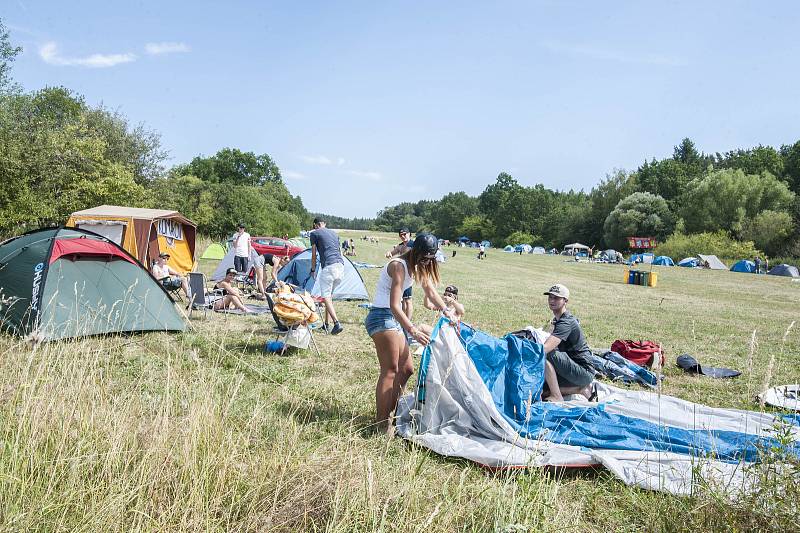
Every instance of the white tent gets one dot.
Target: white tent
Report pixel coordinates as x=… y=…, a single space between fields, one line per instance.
x=713 y=262
x=576 y=246
x=538 y=250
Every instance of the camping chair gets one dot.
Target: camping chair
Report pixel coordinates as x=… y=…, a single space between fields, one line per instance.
x=200 y=298
x=296 y=316
x=174 y=292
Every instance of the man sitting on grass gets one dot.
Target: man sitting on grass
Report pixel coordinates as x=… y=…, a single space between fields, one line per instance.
x=566 y=369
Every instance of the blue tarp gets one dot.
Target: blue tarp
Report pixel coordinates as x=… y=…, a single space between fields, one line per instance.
x=689 y=262
x=513 y=370
x=744 y=266
x=663 y=260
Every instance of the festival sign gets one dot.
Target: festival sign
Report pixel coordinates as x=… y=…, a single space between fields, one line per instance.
x=641 y=243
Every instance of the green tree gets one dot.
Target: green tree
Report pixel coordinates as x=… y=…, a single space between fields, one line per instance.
x=602 y=201
x=753 y=161
x=231 y=165
x=791 y=165
x=726 y=199
x=769 y=230
x=641 y=213
x=8 y=52
x=450 y=213
x=520 y=237
x=477 y=228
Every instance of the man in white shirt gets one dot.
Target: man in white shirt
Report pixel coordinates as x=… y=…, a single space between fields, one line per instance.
x=243 y=246
x=168 y=276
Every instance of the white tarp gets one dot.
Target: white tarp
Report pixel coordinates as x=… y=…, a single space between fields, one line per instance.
x=459 y=418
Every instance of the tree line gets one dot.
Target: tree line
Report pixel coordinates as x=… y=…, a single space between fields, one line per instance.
x=59 y=155
x=743 y=201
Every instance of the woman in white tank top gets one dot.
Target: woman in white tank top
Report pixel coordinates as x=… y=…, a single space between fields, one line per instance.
x=386 y=320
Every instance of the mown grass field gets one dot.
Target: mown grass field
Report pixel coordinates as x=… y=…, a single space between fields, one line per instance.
x=204 y=431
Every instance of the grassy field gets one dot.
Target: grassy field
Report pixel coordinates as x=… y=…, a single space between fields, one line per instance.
x=204 y=431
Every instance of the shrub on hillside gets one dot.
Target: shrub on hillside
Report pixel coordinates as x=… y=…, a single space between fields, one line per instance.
x=718 y=243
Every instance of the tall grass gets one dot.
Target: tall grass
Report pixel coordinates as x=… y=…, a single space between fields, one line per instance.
x=204 y=431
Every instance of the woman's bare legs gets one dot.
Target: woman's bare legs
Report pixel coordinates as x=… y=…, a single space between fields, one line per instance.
x=395 y=369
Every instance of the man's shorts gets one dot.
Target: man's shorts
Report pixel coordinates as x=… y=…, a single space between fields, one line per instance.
x=570 y=373
x=407 y=293
x=329 y=278
x=171 y=283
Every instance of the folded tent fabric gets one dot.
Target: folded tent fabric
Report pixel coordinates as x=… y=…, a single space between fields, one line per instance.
x=783 y=397
x=477 y=399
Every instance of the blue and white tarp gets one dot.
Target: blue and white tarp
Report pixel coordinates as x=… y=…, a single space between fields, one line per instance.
x=478 y=398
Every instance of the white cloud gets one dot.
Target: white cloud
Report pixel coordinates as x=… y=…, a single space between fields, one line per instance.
x=366 y=174
x=50 y=55
x=156 y=49
x=292 y=175
x=323 y=160
x=605 y=54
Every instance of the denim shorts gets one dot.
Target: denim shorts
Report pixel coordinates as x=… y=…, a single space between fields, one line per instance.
x=407 y=293
x=381 y=319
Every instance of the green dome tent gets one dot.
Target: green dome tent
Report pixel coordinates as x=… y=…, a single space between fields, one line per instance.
x=215 y=250
x=60 y=283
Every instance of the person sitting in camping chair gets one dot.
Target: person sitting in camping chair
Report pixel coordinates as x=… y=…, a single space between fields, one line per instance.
x=230 y=294
x=169 y=278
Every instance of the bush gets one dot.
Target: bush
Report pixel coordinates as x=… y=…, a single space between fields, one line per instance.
x=520 y=237
x=718 y=243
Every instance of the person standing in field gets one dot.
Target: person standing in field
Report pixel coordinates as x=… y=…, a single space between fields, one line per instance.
x=243 y=246
x=389 y=326
x=757 y=262
x=325 y=243
x=400 y=249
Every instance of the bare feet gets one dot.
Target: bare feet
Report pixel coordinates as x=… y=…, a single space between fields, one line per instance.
x=554 y=398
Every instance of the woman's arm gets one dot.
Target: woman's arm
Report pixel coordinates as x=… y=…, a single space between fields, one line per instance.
x=397 y=274
x=455 y=304
x=436 y=300
x=428 y=304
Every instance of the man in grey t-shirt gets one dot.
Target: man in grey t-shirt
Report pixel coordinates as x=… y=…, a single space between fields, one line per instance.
x=567 y=369
x=325 y=242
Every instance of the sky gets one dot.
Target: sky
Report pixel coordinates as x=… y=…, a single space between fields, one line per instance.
x=367 y=104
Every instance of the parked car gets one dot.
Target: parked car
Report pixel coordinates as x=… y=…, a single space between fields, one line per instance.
x=275 y=246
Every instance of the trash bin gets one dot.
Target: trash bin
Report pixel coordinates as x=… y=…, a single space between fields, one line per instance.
x=629 y=277
x=653 y=279
x=645 y=279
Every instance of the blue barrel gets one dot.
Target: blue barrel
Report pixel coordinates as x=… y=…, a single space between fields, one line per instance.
x=632 y=277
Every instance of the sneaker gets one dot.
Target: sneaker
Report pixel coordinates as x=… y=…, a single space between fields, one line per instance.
x=337 y=328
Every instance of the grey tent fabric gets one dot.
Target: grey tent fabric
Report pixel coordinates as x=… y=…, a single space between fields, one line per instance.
x=784 y=270
x=713 y=262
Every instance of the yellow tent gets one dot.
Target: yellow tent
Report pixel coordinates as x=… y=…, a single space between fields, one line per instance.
x=143 y=232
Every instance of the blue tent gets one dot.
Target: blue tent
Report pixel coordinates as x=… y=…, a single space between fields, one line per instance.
x=486 y=244
x=298 y=272
x=463 y=239
x=508 y=248
x=784 y=270
x=689 y=262
x=744 y=266
x=642 y=258
x=664 y=260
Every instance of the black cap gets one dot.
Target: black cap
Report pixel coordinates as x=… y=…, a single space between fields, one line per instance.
x=404 y=230
x=241 y=225
x=452 y=289
x=318 y=220
x=231 y=271
x=427 y=243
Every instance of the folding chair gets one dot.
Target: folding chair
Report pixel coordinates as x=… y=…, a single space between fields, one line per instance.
x=298 y=334
x=174 y=292
x=198 y=297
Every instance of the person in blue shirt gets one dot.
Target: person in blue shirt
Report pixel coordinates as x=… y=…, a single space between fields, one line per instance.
x=325 y=244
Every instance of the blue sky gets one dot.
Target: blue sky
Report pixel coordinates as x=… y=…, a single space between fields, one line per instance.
x=366 y=104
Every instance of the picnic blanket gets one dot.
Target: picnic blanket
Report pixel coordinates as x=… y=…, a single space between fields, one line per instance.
x=477 y=398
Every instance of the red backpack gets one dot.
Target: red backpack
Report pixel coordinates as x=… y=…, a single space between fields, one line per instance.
x=639 y=352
